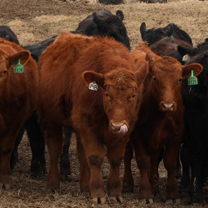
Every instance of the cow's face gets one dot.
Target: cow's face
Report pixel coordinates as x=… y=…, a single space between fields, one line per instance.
x=167 y=74
x=112 y=27
x=6 y=61
x=121 y=95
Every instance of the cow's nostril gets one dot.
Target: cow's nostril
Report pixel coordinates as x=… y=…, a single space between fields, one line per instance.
x=168 y=106
x=116 y=126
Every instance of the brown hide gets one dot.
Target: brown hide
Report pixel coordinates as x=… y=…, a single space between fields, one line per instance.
x=167 y=45
x=105 y=116
x=18 y=98
x=160 y=122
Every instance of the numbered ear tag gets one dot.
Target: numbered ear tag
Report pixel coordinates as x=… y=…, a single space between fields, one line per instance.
x=18 y=68
x=172 y=36
x=192 y=80
x=93 y=86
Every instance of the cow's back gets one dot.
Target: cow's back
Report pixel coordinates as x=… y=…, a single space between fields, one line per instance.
x=57 y=62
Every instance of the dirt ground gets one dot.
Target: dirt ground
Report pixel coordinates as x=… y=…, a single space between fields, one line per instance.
x=37 y=20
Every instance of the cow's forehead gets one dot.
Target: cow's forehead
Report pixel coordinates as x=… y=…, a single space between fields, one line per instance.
x=167 y=65
x=122 y=79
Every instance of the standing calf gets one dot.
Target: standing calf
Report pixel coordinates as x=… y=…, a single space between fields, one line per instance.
x=18 y=99
x=104 y=117
x=160 y=123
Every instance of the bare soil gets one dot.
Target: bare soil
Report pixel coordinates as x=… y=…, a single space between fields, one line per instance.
x=37 y=20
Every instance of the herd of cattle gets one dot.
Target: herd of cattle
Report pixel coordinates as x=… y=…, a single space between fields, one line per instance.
x=90 y=82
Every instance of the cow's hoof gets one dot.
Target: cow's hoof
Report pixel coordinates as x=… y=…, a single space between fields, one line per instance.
x=128 y=187
x=150 y=201
x=6 y=186
x=120 y=199
x=66 y=178
x=143 y=201
x=116 y=199
x=169 y=201
x=98 y=200
x=178 y=173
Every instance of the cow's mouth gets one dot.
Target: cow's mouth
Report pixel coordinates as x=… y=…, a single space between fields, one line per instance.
x=119 y=128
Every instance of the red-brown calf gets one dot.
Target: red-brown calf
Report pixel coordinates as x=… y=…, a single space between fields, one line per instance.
x=18 y=98
x=103 y=117
x=160 y=123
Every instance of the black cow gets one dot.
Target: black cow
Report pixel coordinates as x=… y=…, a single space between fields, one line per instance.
x=105 y=23
x=171 y=30
x=194 y=152
x=7 y=33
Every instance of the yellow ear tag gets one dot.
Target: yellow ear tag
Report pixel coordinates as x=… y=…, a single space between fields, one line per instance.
x=18 y=68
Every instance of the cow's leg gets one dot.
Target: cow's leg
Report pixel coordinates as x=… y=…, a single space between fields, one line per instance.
x=95 y=153
x=196 y=180
x=185 y=160
x=37 y=144
x=14 y=155
x=154 y=175
x=178 y=166
x=115 y=157
x=65 y=169
x=143 y=162
x=84 y=168
x=54 y=141
x=170 y=161
x=128 y=181
x=6 y=147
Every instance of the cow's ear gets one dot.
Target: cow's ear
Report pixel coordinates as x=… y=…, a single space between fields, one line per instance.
x=22 y=55
x=96 y=19
x=149 y=57
x=194 y=66
x=143 y=29
x=183 y=50
x=169 y=30
x=141 y=73
x=120 y=14
x=7 y=37
x=90 y=77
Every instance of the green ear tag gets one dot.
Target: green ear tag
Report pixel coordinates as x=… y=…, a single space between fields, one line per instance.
x=18 y=68
x=192 y=80
x=172 y=36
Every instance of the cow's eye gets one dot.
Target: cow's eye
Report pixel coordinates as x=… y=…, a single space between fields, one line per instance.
x=133 y=96
x=5 y=71
x=106 y=94
x=154 y=79
x=180 y=80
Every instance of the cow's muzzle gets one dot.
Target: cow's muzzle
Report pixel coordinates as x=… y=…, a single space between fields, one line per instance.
x=167 y=106
x=119 y=127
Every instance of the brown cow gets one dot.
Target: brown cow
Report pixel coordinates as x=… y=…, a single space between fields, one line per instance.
x=102 y=117
x=160 y=123
x=18 y=98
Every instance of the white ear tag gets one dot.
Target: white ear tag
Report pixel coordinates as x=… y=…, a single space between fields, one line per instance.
x=93 y=86
x=186 y=58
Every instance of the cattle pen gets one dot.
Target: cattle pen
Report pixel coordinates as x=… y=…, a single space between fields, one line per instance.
x=36 y=20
